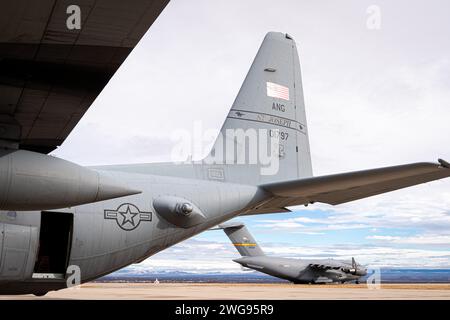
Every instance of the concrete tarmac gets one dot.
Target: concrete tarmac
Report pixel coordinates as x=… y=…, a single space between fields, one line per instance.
x=206 y=291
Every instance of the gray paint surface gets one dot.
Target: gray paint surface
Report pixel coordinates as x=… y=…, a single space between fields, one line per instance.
x=51 y=74
x=108 y=235
x=295 y=270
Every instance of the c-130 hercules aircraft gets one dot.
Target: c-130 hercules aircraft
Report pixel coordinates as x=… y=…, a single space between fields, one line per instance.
x=57 y=214
x=295 y=270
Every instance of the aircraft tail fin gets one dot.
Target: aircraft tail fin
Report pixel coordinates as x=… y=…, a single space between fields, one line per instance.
x=264 y=138
x=242 y=240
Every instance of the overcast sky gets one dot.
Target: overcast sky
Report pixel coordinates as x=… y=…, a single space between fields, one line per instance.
x=374 y=97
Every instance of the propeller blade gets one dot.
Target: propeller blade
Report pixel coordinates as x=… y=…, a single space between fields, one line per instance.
x=354 y=264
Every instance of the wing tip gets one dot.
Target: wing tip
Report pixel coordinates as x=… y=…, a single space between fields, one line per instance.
x=444 y=163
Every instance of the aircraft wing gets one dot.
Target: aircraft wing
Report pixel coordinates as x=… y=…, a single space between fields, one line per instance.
x=324 y=266
x=50 y=74
x=339 y=188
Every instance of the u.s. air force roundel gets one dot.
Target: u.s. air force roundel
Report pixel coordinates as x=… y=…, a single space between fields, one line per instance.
x=128 y=216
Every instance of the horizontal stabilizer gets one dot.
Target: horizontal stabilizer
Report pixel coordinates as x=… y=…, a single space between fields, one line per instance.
x=229 y=225
x=340 y=188
x=265 y=210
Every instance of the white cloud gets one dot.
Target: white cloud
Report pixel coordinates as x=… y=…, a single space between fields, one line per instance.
x=426 y=239
x=425 y=207
x=381 y=256
x=293 y=225
x=373 y=99
x=199 y=256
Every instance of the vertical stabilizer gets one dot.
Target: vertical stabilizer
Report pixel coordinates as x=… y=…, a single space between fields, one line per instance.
x=270 y=104
x=242 y=239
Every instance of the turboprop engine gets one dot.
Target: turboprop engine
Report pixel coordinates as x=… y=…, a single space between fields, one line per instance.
x=35 y=181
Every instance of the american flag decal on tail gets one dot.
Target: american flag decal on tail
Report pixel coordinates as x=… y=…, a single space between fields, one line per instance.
x=277 y=91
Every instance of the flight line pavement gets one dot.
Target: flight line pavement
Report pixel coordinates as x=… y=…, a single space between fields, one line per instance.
x=225 y=291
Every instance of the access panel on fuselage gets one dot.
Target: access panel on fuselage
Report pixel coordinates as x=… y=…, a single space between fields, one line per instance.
x=18 y=246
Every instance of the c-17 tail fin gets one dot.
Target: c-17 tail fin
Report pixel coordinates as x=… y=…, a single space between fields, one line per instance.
x=242 y=239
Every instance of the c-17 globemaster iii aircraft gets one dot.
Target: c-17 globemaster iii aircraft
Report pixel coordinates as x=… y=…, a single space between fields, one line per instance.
x=295 y=270
x=60 y=221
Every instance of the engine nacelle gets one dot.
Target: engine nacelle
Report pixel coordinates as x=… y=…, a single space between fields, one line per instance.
x=34 y=181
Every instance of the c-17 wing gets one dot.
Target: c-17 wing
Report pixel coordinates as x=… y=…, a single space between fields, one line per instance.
x=52 y=69
x=324 y=266
x=344 y=187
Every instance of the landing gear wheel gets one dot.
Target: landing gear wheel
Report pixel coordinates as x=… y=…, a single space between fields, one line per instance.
x=40 y=294
x=357 y=281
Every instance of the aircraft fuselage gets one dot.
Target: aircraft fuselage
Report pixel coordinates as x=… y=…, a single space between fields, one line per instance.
x=102 y=237
x=301 y=271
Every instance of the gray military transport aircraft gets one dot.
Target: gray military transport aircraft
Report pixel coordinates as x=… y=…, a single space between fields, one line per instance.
x=295 y=270
x=57 y=216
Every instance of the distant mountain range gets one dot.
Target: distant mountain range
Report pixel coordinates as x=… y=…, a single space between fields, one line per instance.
x=387 y=276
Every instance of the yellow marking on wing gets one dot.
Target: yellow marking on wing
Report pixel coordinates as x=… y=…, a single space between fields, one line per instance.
x=244 y=244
